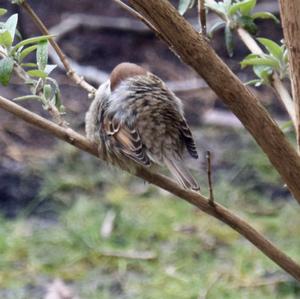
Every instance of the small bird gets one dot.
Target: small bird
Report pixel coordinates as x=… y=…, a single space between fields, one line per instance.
x=137 y=121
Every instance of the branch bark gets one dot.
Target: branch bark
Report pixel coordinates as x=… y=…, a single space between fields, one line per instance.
x=195 y=51
x=196 y=199
x=290 y=11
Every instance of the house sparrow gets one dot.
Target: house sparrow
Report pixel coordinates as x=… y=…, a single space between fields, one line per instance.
x=137 y=121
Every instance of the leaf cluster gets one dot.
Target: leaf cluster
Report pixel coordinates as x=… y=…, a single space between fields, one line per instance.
x=36 y=73
x=236 y=14
x=265 y=64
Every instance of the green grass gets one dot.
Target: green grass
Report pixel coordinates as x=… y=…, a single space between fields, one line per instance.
x=195 y=255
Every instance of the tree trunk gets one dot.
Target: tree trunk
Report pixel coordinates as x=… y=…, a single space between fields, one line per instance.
x=290 y=18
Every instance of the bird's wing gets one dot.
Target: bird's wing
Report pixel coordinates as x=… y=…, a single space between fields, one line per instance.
x=126 y=139
x=188 y=139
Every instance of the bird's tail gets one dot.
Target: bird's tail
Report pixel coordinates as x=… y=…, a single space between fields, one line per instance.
x=181 y=174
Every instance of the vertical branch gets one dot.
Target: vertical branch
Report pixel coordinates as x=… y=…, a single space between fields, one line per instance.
x=280 y=90
x=290 y=12
x=211 y=199
x=202 y=16
x=70 y=72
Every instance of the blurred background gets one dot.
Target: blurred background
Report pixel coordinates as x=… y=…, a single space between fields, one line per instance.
x=73 y=227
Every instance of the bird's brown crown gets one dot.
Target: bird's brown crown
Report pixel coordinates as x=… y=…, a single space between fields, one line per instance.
x=124 y=71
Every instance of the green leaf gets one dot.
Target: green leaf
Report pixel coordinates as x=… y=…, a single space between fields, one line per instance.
x=184 y=5
x=218 y=25
x=3 y=11
x=247 y=23
x=273 y=48
x=251 y=55
x=42 y=55
x=32 y=40
x=28 y=97
x=6 y=68
x=58 y=102
x=286 y=125
x=30 y=64
x=229 y=40
x=19 y=2
x=48 y=92
x=263 y=72
x=217 y=7
x=37 y=73
x=247 y=6
x=285 y=55
x=11 y=25
x=5 y=39
x=256 y=82
x=265 y=15
x=49 y=68
x=234 y=8
x=266 y=61
x=27 y=51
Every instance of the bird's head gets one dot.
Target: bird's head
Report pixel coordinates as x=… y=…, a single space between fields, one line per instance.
x=118 y=76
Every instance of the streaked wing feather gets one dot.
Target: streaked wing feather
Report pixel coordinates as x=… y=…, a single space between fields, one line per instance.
x=188 y=139
x=127 y=139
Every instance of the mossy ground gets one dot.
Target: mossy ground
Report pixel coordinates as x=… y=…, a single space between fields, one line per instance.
x=191 y=255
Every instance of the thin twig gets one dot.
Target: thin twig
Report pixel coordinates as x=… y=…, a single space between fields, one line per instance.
x=276 y=83
x=70 y=72
x=132 y=255
x=138 y=16
x=211 y=199
x=202 y=16
x=198 y=200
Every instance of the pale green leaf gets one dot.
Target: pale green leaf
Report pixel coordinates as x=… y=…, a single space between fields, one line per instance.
x=266 y=61
x=27 y=51
x=217 y=7
x=264 y=15
x=11 y=25
x=42 y=55
x=247 y=7
x=273 y=48
x=49 y=68
x=3 y=11
x=30 y=64
x=184 y=5
x=32 y=40
x=229 y=40
x=37 y=73
x=218 y=25
x=6 y=68
x=5 y=39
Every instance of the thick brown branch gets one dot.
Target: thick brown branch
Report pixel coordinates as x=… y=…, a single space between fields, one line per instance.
x=195 y=51
x=290 y=11
x=217 y=211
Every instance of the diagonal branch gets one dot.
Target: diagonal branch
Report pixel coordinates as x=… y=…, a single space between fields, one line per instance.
x=276 y=83
x=196 y=199
x=196 y=52
x=70 y=72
